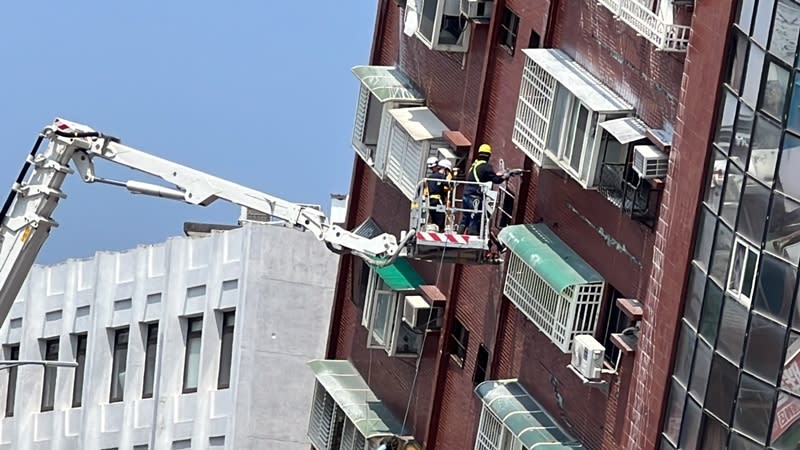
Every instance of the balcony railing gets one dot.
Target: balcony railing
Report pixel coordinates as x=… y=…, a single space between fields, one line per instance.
x=665 y=36
x=625 y=190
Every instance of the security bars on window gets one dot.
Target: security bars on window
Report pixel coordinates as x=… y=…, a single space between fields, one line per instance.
x=534 y=107
x=560 y=316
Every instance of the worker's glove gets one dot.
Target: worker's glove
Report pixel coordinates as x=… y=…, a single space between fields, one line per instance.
x=514 y=172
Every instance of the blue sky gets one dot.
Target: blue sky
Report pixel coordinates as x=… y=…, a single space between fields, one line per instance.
x=259 y=92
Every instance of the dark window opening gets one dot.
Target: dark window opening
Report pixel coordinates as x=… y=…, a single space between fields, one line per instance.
x=481 y=365
x=617 y=322
x=534 y=41
x=11 y=393
x=49 y=382
x=80 y=358
x=151 y=348
x=508 y=30
x=360 y=282
x=226 y=351
x=119 y=365
x=459 y=338
x=191 y=362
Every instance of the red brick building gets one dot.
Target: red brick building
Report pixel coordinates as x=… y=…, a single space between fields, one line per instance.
x=615 y=108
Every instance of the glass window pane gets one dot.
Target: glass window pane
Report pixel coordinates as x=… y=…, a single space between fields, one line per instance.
x=725 y=126
x=380 y=321
x=226 y=351
x=715 y=434
x=666 y=445
x=714 y=180
x=744 y=14
x=786 y=27
x=731 y=197
x=684 y=354
x=80 y=358
x=790 y=379
x=787 y=180
x=119 y=365
x=783 y=233
x=793 y=121
x=709 y=321
x=764 y=334
x=722 y=389
x=753 y=408
x=702 y=362
x=705 y=237
x=773 y=93
x=786 y=426
x=752 y=218
x=775 y=289
x=752 y=79
x=738 y=53
x=694 y=300
x=192 y=369
x=690 y=427
x=732 y=330
x=721 y=255
x=738 y=442
x=743 y=135
x=764 y=151
x=151 y=347
x=672 y=424
x=763 y=21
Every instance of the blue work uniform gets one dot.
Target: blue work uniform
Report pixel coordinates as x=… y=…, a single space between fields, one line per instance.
x=480 y=171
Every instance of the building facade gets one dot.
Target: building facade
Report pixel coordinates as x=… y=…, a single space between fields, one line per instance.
x=194 y=343
x=641 y=125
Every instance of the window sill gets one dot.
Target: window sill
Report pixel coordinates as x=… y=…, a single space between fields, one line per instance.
x=625 y=342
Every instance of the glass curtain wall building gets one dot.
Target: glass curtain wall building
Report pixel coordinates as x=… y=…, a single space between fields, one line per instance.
x=736 y=376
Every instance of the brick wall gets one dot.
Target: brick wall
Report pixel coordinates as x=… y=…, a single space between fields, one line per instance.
x=677 y=217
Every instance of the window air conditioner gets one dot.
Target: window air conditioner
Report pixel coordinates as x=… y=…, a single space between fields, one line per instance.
x=419 y=314
x=476 y=9
x=587 y=356
x=649 y=161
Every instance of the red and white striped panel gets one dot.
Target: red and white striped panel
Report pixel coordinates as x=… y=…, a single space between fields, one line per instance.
x=443 y=237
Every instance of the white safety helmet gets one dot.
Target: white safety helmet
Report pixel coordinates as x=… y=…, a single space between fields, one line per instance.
x=431 y=162
x=446 y=164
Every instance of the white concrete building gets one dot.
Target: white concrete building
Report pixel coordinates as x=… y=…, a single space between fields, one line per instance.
x=195 y=343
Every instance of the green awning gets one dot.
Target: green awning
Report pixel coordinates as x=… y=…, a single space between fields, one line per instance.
x=388 y=83
x=524 y=416
x=549 y=256
x=352 y=394
x=400 y=276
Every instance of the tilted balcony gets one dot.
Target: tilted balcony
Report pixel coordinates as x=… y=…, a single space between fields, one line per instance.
x=659 y=30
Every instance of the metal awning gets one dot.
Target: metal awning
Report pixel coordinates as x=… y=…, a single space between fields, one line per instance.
x=388 y=83
x=352 y=394
x=586 y=87
x=524 y=416
x=420 y=123
x=626 y=129
x=544 y=252
x=400 y=276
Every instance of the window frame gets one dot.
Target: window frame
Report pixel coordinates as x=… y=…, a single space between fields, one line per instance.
x=509 y=30
x=481 y=369
x=81 y=345
x=434 y=42
x=12 y=353
x=744 y=298
x=50 y=373
x=226 y=347
x=119 y=367
x=458 y=342
x=150 y=359
x=191 y=335
x=393 y=325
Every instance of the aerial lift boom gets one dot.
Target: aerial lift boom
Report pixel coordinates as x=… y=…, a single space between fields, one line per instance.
x=27 y=213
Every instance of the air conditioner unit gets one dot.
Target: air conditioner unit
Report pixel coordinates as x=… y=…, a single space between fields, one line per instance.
x=649 y=161
x=420 y=315
x=476 y=9
x=587 y=356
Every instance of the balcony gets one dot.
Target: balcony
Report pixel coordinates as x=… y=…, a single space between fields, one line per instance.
x=659 y=30
x=627 y=191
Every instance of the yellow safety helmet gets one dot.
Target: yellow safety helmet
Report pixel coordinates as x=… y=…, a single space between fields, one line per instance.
x=485 y=149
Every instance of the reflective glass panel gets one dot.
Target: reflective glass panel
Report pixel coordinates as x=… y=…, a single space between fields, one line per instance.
x=732 y=330
x=752 y=79
x=773 y=93
x=709 y=321
x=705 y=237
x=764 y=151
x=733 y=190
x=785 y=433
x=764 y=334
x=743 y=135
x=690 y=427
x=763 y=21
x=714 y=181
x=702 y=362
x=672 y=424
x=684 y=354
x=715 y=434
x=721 y=255
x=727 y=117
x=754 y=206
x=739 y=442
x=694 y=300
x=738 y=54
x=788 y=177
x=775 y=289
x=744 y=14
x=722 y=391
x=753 y=408
x=785 y=29
x=793 y=121
x=790 y=378
x=783 y=232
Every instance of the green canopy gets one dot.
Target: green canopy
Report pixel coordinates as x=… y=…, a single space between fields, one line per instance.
x=388 y=83
x=352 y=394
x=523 y=416
x=539 y=248
x=400 y=276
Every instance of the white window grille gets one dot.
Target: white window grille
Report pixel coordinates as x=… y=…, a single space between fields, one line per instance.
x=559 y=109
x=742 y=272
x=560 y=316
x=493 y=435
x=323 y=419
x=382 y=317
x=534 y=107
x=414 y=136
x=658 y=28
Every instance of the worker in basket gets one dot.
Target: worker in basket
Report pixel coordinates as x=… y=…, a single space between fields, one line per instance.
x=438 y=188
x=481 y=171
